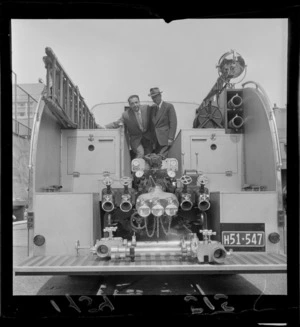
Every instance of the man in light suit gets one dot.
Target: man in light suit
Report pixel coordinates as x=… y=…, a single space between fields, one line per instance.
x=164 y=120
x=137 y=121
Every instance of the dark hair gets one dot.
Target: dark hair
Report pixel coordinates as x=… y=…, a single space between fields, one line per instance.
x=133 y=96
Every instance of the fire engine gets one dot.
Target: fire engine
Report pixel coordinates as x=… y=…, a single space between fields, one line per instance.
x=213 y=206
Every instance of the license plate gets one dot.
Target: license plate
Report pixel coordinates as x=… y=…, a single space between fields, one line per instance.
x=243 y=238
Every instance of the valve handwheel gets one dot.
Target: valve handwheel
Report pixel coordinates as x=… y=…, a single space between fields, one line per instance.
x=202 y=179
x=107 y=181
x=185 y=179
x=125 y=180
x=136 y=221
x=210 y=117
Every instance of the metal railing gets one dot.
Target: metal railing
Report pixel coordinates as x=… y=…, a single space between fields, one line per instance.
x=21 y=96
x=21 y=129
x=63 y=92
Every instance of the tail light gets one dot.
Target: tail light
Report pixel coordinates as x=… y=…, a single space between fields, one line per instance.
x=39 y=240
x=274 y=238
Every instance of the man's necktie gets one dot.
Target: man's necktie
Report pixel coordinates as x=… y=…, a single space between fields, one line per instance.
x=156 y=110
x=140 y=120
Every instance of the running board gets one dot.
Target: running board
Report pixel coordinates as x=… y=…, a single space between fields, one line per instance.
x=236 y=263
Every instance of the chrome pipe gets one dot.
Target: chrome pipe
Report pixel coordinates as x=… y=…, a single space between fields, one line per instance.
x=235 y=102
x=204 y=205
x=107 y=202
x=174 y=249
x=203 y=202
x=164 y=244
x=108 y=206
x=186 y=203
x=102 y=250
x=218 y=254
x=125 y=206
x=236 y=122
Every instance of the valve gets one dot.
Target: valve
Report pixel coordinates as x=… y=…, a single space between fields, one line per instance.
x=110 y=230
x=204 y=232
x=202 y=179
x=126 y=204
x=107 y=194
x=133 y=240
x=186 y=180
x=125 y=180
x=107 y=181
x=137 y=222
x=194 y=244
x=209 y=235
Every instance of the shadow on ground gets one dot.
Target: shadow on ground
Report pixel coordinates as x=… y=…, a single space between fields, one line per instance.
x=148 y=285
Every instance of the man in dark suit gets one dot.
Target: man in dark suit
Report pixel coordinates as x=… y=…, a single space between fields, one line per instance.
x=164 y=120
x=137 y=121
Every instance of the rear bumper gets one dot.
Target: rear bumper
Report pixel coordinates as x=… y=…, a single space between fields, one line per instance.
x=152 y=264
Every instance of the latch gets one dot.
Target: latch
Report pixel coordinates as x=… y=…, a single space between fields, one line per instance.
x=228 y=173
x=76 y=174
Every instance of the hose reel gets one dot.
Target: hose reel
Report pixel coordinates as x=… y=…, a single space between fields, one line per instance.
x=209 y=117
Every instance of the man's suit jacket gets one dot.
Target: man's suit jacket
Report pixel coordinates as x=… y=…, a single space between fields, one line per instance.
x=133 y=129
x=165 y=122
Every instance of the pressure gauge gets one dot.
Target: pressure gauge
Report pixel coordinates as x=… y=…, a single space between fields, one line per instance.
x=171 y=173
x=139 y=173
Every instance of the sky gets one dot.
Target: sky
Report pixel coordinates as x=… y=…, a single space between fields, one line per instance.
x=111 y=59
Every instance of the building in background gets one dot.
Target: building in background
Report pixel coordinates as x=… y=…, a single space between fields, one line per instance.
x=25 y=100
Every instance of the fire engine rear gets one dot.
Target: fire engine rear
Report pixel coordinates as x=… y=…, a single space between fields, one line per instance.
x=213 y=206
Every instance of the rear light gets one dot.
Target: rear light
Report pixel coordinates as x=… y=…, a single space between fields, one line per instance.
x=274 y=238
x=39 y=240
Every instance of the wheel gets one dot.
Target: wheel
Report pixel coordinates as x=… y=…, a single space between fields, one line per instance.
x=185 y=179
x=125 y=180
x=210 y=117
x=202 y=179
x=137 y=222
